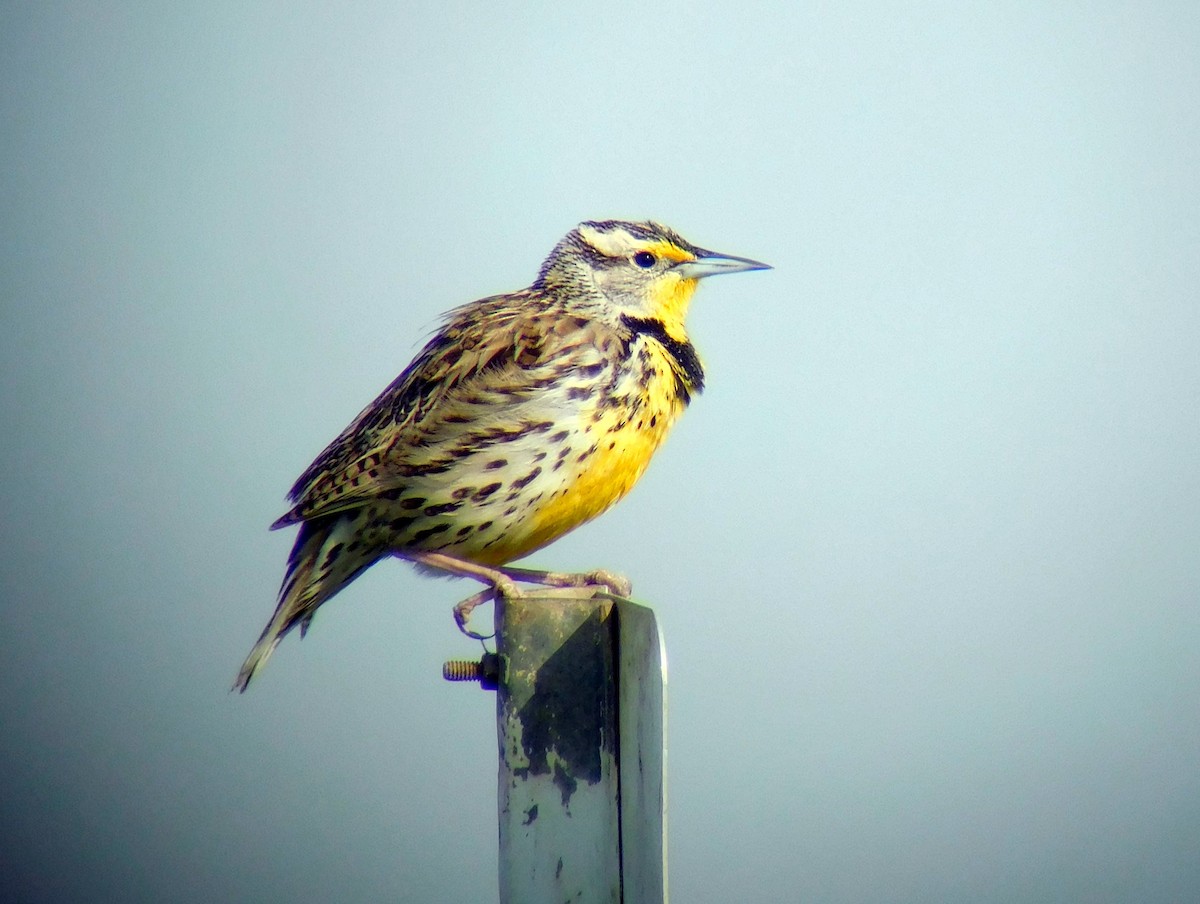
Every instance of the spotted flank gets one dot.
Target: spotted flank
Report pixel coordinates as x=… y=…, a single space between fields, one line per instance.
x=525 y=416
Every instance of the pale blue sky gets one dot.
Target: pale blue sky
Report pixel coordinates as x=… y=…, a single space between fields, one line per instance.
x=925 y=552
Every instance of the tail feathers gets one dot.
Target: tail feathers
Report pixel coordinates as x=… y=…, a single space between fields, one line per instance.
x=318 y=568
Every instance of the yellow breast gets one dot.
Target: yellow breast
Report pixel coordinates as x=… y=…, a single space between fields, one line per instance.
x=610 y=449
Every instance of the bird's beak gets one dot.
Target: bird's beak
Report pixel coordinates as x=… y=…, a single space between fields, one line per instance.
x=709 y=263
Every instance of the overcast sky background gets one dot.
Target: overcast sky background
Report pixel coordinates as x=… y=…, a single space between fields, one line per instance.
x=926 y=553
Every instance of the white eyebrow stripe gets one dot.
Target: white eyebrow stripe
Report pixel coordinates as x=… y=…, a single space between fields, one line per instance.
x=611 y=243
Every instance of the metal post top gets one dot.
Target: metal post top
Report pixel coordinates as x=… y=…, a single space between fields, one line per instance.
x=580 y=726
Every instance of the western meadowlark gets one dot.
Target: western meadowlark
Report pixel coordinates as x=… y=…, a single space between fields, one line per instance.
x=526 y=415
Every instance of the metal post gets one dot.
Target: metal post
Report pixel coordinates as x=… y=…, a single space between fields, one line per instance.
x=580 y=726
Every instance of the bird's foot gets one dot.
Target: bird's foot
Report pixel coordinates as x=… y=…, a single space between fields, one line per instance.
x=463 y=610
x=502 y=582
x=617 y=584
x=504 y=588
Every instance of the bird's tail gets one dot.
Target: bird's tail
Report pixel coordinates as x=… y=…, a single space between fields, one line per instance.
x=320 y=565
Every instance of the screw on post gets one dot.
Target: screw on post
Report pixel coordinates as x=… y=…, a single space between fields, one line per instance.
x=486 y=670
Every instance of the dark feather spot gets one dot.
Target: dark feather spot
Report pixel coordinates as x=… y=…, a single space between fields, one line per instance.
x=423 y=535
x=483 y=492
x=437 y=466
x=528 y=356
x=526 y=480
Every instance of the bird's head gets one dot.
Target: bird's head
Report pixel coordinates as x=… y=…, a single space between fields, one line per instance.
x=641 y=270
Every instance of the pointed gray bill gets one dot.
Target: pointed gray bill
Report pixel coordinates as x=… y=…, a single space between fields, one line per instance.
x=712 y=264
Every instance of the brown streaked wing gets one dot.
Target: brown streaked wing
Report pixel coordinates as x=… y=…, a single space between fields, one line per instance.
x=502 y=338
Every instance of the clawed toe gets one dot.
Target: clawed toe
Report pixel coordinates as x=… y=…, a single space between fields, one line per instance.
x=504 y=588
x=463 y=610
x=618 y=584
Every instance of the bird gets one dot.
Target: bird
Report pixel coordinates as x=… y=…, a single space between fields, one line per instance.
x=524 y=416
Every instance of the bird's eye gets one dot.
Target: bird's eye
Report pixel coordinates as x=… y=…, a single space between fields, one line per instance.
x=644 y=259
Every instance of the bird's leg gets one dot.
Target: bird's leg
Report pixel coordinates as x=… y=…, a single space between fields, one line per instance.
x=501 y=584
x=616 y=583
x=503 y=578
